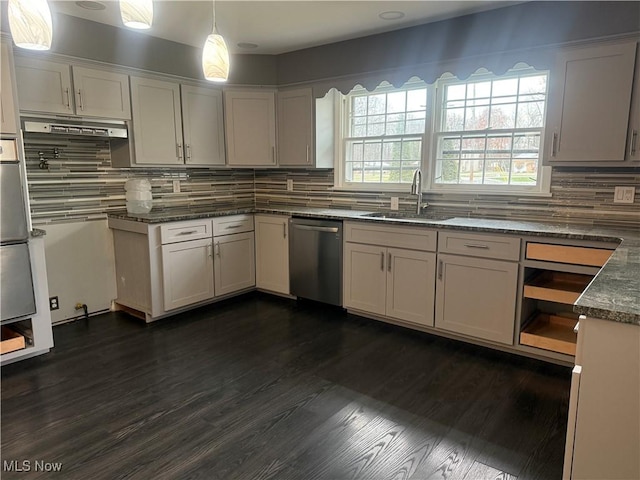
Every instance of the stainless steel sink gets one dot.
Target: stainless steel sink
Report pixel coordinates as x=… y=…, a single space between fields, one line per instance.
x=427 y=217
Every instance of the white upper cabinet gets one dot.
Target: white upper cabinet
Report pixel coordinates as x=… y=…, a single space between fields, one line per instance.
x=7 y=105
x=295 y=128
x=45 y=86
x=157 y=122
x=250 y=127
x=589 y=104
x=203 y=126
x=99 y=93
x=633 y=142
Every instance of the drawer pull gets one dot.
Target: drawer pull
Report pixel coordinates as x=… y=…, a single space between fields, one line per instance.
x=187 y=232
x=382 y=261
x=233 y=227
x=477 y=245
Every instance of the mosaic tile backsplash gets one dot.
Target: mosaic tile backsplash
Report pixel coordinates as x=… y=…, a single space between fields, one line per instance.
x=76 y=182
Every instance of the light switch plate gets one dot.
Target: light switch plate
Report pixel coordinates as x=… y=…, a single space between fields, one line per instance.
x=289 y=185
x=176 y=186
x=624 y=195
x=394 y=203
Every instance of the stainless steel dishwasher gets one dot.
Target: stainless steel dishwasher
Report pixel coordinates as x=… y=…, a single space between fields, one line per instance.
x=315 y=259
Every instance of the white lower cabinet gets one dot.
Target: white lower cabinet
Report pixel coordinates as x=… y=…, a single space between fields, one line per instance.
x=164 y=269
x=187 y=273
x=272 y=253
x=393 y=282
x=234 y=265
x=476 y=297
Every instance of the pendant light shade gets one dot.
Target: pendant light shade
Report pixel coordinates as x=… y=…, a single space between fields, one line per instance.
x=215 y=55
x=30 y=24
x=137 y=13
x=215 y=58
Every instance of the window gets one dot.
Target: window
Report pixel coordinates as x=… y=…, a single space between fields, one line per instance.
x=384 y=132
x=484 y=134
x=489 y=132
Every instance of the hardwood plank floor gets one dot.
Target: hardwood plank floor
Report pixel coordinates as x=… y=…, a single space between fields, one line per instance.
x=260 y=387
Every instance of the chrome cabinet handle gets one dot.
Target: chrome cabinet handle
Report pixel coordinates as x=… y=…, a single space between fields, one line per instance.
x=179 y=151
x=188 y=151
x=389 y=262
x=554 y=145
x=209 y=250
x=66 y=91
x=187 y=232
x=308 y=159
x=632 y=144
x=218 y=249
x=440 y=268
x=273 y=154
x=382 y=261
x=233 y=227
x=80 y=99
x=1 y=149
x=476 y=245
x=284 y=230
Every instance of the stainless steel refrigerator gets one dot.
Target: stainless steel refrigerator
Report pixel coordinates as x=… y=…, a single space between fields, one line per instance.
x=17 y=298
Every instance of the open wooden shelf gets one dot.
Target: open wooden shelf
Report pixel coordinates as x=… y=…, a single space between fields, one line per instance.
x=559 y=287
x=10 y=340
x=551 y=332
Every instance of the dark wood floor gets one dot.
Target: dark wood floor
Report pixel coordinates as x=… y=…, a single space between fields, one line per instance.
x=265 y=388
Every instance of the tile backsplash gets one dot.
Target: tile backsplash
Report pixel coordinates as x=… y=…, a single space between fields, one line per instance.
x=79 y=183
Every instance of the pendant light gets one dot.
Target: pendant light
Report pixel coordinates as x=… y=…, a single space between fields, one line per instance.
x=215 y=55
x=137 y=13
x=30 y=24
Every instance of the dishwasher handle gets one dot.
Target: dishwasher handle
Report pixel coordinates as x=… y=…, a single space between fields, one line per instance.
x=316 y=228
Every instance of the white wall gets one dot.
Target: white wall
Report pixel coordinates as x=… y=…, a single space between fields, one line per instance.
x=80 y=267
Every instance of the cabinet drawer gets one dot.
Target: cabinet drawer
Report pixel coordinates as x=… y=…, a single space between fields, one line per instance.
x=485 y=246
x=183 y=231
x=8 y=150
x=402 y=237
x=11 y=340
x=594 y=257
x=232 y=224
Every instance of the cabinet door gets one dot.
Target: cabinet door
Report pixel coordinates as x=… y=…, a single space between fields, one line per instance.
x=411 y=278
x=272 y=253
x=101 y=94
x=250 y=128
x=476 y=297
x=187 y=273
x=43 y=86
x=203 y=125
x=365 y=277
x=157 y=122
x=589 y=101
x=295 y=128
x=234 y=263
x=7 y=105
x=633 y=142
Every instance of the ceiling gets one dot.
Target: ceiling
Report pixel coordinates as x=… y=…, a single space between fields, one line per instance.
x=278 y=27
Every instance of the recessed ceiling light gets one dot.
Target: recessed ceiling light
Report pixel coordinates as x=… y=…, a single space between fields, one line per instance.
x=247 y=45
x=391 y=15
x=91 y=5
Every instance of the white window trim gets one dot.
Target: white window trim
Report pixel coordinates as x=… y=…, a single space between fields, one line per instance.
x=429 y=146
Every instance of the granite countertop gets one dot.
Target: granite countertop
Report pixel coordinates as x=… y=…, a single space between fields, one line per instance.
x=613 y=294
x=37 y=232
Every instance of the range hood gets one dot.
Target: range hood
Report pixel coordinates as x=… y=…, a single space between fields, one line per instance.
x=77 y=127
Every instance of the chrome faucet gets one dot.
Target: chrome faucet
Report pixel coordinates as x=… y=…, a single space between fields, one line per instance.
x=416 y=189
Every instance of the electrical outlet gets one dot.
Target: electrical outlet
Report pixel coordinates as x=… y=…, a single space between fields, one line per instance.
x=289 y=185
x=394 y=203
x=624 y=195
x=176 y=186
x=53 y=303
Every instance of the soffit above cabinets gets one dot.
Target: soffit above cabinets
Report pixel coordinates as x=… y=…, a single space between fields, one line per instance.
x=280 y=26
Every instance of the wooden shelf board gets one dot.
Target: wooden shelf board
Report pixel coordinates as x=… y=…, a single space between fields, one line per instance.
x=550 y=332
x=560 y=287
x=595 y=257
x=11 y=340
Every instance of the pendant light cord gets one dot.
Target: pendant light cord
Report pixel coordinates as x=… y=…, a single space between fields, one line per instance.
x=213 y=2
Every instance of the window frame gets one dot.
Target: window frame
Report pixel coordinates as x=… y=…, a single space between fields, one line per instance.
x=543 y=181
x=343 y=125
x=430 y=137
